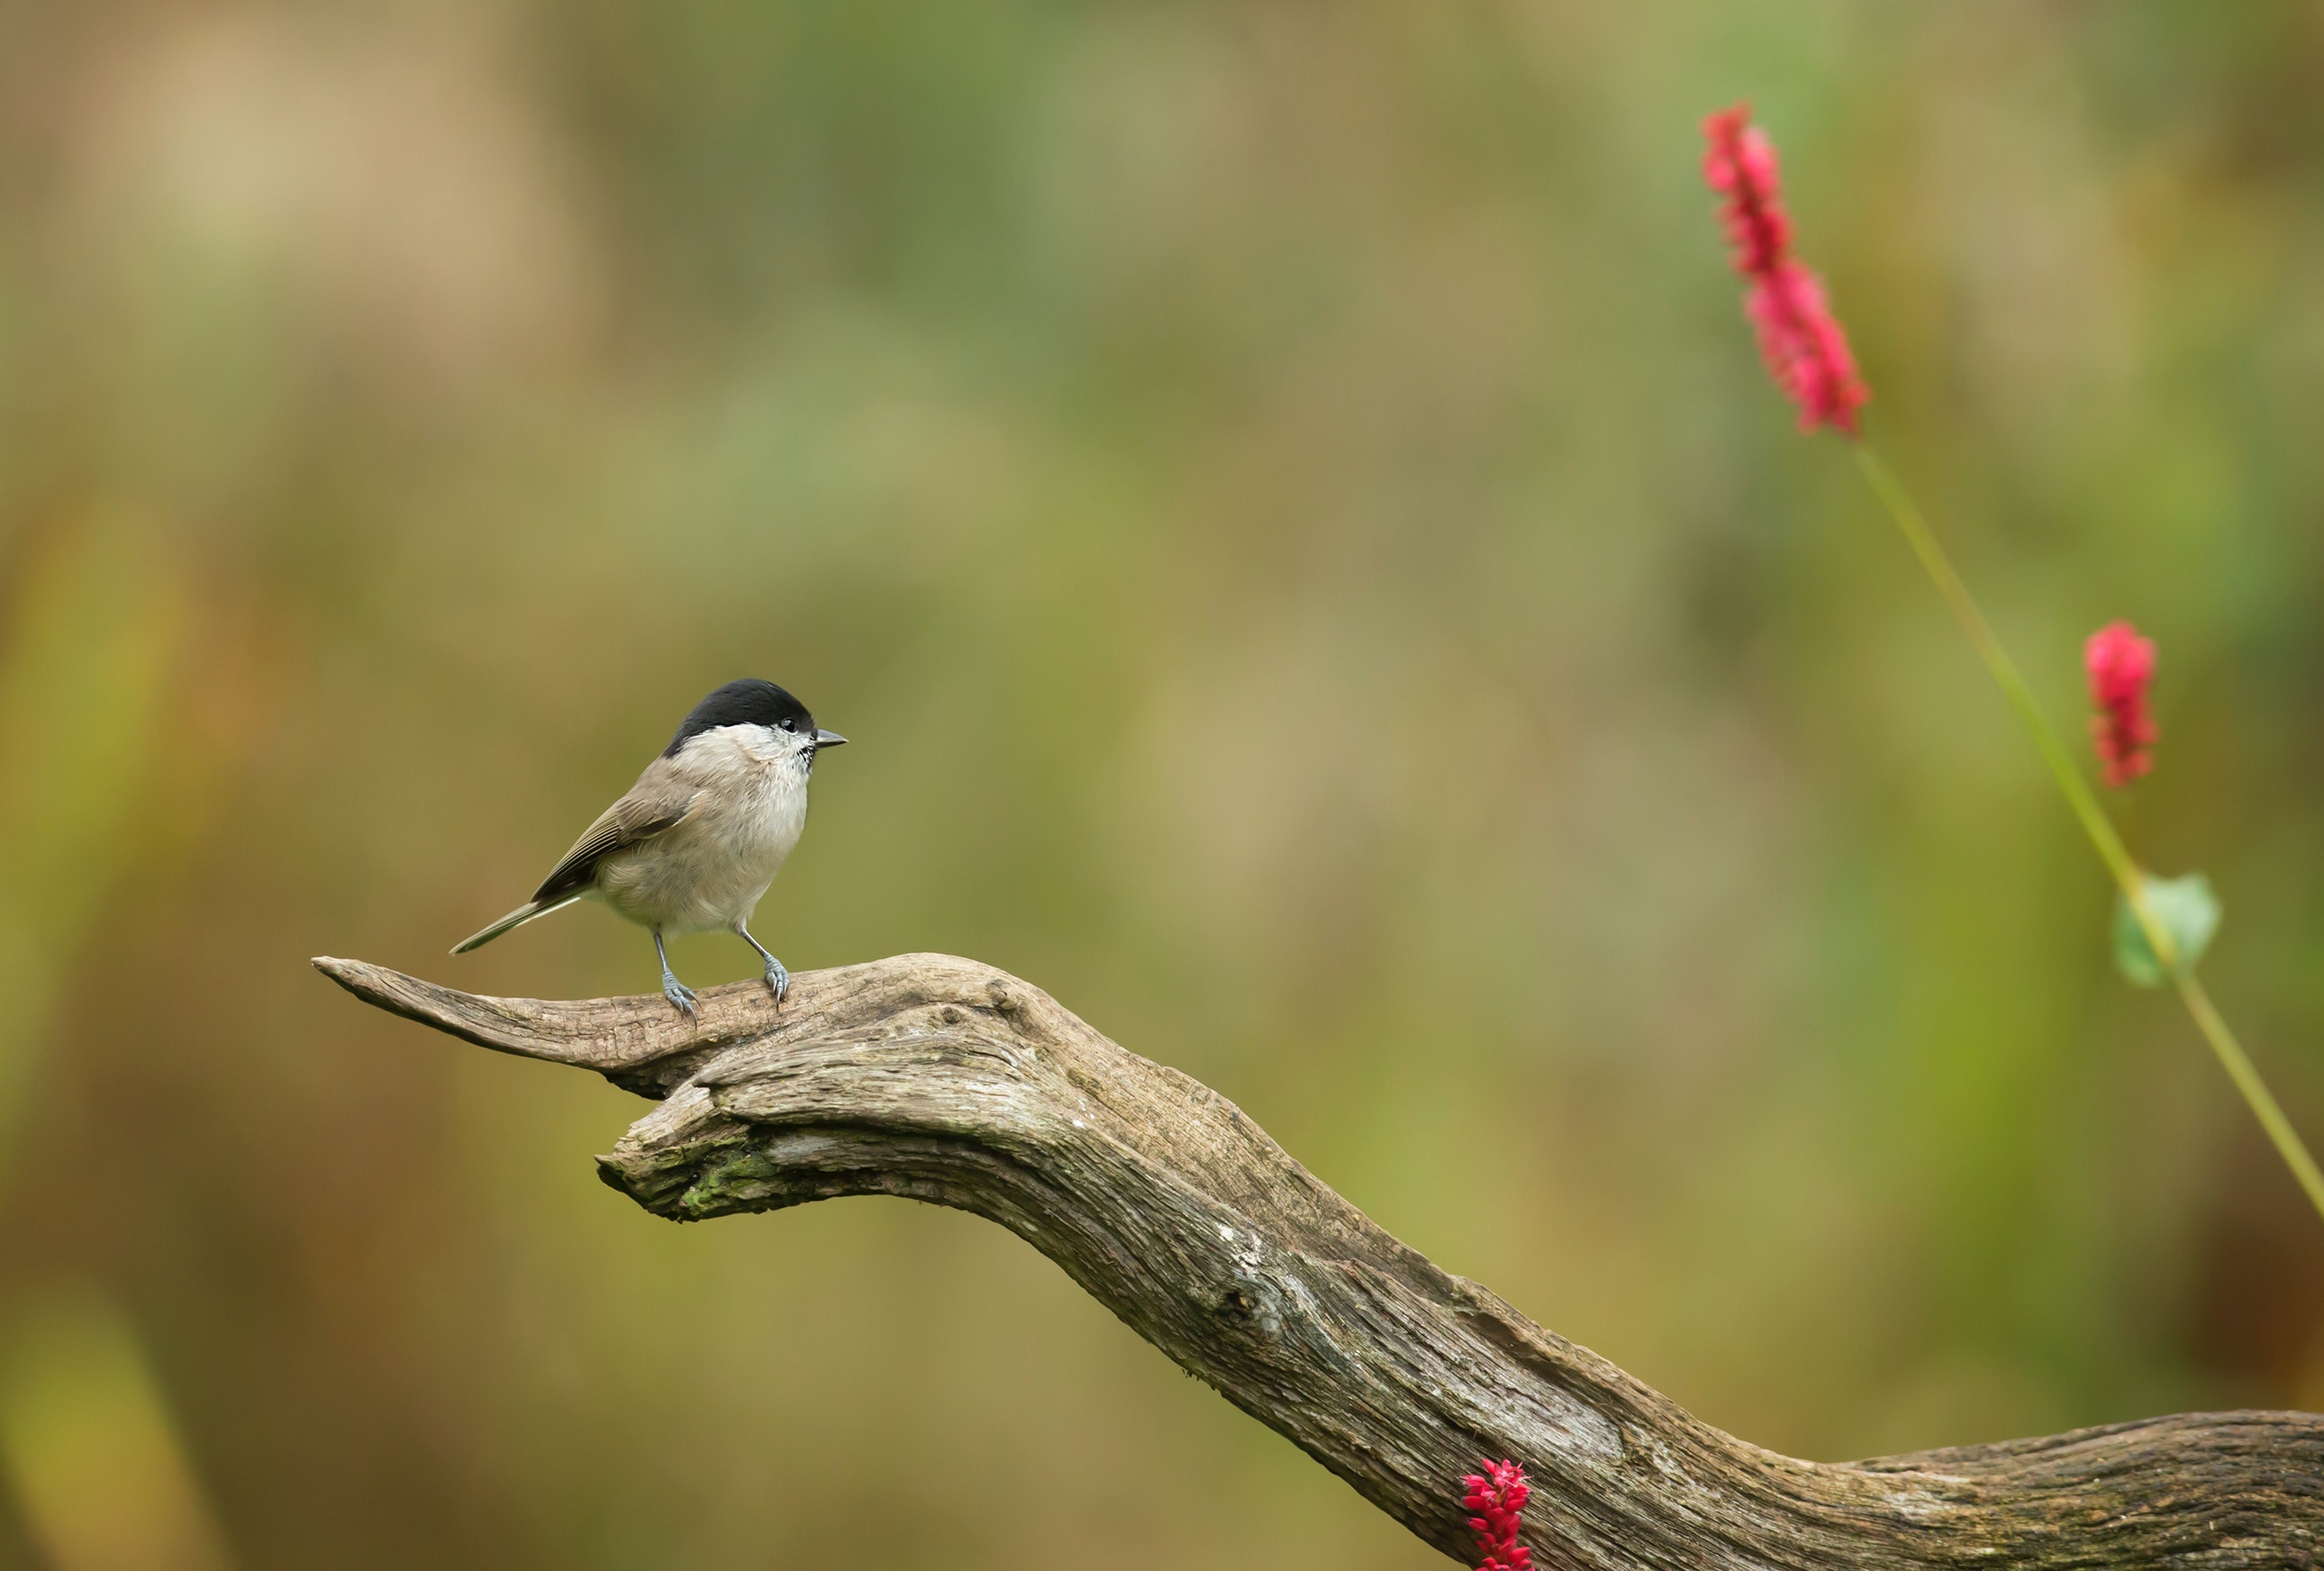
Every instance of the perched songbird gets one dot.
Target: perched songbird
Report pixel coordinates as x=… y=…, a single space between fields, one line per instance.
x=698 y=840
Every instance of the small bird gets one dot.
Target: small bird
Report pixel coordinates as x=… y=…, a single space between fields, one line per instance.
x=697 y=841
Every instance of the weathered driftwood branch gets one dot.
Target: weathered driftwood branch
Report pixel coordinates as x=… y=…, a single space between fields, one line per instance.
x=950 y=1082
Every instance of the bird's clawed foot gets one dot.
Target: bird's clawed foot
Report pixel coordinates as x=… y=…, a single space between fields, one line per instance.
x=680 y=997
x=779 y=981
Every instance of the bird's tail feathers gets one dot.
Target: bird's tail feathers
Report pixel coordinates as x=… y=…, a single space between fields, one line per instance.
x=515 y=918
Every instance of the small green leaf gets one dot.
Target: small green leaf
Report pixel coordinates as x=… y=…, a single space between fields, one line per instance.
x=2189 y=912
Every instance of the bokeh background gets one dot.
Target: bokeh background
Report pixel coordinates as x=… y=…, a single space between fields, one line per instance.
x=1283 y=500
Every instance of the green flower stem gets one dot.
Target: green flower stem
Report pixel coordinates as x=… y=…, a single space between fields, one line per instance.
x=2245 y=1074
x=2094 y=820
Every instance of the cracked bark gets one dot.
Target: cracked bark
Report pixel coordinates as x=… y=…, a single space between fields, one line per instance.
x=946 y=1081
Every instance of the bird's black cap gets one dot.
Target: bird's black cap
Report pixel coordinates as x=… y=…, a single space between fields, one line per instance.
x=749 y=702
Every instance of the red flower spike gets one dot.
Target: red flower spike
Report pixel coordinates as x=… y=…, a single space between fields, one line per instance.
x=1799 y=338
x=2121 y=667
x=1497 y=1496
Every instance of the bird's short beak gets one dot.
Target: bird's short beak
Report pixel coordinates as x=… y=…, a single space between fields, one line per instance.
x=828 y=739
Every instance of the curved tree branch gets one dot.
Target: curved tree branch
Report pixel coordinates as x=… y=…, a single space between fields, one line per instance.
x=947 y=1081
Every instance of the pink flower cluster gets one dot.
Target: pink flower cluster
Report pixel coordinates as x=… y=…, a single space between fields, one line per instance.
x=1496 y=1500
x=1802 y=341
x=2121 y=667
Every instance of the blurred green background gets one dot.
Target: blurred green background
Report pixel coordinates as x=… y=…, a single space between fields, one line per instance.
x=1284 y=500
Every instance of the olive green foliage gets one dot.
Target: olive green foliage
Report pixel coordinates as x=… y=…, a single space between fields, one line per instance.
x=2189 y=914
x=1282 y=500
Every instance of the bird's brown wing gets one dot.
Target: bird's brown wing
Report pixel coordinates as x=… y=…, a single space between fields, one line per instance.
x=657 y=804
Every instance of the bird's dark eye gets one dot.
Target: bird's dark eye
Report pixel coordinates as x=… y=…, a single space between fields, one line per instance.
x=790 y=725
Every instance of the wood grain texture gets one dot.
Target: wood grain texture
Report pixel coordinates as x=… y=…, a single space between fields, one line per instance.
x=950 y=1082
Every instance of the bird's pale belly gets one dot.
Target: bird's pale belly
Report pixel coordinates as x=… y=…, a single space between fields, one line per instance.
x=699 y=877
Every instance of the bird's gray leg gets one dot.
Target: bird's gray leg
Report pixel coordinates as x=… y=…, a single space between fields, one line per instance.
x=778 y=979
x=679 y=995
